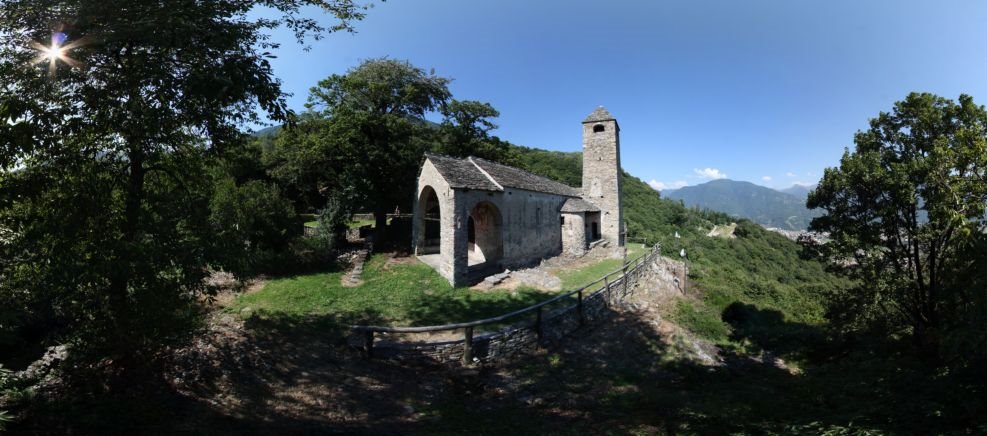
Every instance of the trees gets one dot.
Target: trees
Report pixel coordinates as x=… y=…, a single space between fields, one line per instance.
x=366 y=133
x=465 y=131
x=906 y=213
x=251 y=223
x=375 y=116
x=108 y=132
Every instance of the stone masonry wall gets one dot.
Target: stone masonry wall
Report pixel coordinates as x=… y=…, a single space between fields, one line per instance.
x=602 y=184
x=530 y=229
x=574 y=234
x=431 y=179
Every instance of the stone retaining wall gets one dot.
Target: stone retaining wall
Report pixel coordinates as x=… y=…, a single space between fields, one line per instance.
x=524 y=336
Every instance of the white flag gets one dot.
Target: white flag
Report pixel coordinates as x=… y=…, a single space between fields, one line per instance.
x=682 y=253
x=677 y=235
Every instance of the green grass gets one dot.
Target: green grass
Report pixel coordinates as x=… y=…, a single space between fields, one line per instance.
x=355 y=224
x=397 y=294
x=576 y=278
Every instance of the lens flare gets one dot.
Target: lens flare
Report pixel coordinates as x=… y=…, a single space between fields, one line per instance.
x=56 y=52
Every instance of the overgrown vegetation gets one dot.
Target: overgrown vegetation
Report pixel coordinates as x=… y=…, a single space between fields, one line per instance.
x=113 y=150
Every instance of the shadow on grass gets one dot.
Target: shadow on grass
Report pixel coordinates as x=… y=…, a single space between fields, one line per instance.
x=454 y=308
x=767 y=329
x=286 y=375
x=622 y=378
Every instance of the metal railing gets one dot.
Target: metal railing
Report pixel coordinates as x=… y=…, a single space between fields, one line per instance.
x=629 y=267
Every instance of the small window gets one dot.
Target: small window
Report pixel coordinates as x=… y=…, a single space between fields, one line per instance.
x=599 y=128
x=562 y=220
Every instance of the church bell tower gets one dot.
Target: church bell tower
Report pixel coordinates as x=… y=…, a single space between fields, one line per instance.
x=602 y=184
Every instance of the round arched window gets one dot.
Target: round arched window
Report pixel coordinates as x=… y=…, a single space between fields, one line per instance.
x=599 y=128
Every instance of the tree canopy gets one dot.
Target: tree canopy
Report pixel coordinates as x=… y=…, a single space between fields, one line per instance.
x=109 y=110
x=906 y=214
x=367 y=131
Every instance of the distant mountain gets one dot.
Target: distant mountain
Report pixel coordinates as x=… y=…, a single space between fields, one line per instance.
x=266 y=132
x=800 y=191
x=764 y=206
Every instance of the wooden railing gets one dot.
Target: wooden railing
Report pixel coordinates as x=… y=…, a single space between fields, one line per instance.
x=632 y=266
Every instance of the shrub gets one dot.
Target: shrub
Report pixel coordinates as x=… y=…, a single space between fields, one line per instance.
x=254 y=226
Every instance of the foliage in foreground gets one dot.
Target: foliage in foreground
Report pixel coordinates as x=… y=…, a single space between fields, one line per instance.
x=906 y=212
x=105 y=193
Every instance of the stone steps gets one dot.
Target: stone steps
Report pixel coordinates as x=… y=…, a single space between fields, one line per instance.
x=353 y=277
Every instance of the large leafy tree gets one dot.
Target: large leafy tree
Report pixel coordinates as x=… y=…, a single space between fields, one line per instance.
x=363 y=140
x=905 y=210
x=465 y=131
x=375 y=116
x=108 y=111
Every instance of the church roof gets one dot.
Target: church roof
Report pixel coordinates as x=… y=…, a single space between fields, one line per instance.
x=521 y=179
x=485 y=175
x=461 y=173
x=600 y=114
x=579 y=205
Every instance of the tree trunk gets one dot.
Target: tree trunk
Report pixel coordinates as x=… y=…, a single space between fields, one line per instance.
x=120 y=283
x=380 y=227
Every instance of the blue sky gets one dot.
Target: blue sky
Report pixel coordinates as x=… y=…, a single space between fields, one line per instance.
x=764 y=91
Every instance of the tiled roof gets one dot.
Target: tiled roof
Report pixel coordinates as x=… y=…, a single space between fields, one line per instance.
x=521 y=179
x=600 y=114
x=579 y=205
x=461 y=173
x=485 y=175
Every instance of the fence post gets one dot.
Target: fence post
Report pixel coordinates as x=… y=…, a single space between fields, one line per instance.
x=468 y=346
x=624 y=282
x=579 y=307
x=368 y=344
x=606 y=284
x=538 y=329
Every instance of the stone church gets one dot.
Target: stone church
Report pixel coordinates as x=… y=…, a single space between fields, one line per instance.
x=474 y=217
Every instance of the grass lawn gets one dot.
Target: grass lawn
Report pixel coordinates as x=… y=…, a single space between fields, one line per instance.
x=405 y=293
x=575 y=278
x=355 y=224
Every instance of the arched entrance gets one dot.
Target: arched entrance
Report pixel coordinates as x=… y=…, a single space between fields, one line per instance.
x=429 y=223
x=485 y=234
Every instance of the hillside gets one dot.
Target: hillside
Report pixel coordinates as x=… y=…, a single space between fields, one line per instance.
x=760 y=270
x=762 y=205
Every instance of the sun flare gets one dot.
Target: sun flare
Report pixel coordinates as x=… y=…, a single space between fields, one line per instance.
x=56 y=52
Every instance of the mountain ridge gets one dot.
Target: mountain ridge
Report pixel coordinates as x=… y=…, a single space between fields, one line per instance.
x=765 y=206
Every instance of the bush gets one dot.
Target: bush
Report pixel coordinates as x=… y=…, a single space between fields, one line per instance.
x=254 y=226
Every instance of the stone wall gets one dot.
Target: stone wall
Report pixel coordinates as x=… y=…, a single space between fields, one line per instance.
x=531 y=227
x=527 y=334
x=602 y=184
x=574 y=233
x=431 y=181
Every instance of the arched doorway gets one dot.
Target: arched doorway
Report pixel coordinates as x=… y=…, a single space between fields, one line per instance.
x=485 y=234
x=429 y=223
